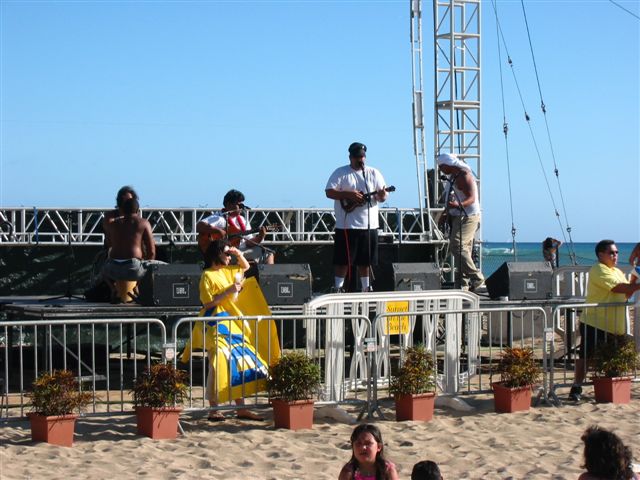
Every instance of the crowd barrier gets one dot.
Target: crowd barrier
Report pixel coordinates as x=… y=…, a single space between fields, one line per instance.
x=566 y=318
x=357 y=339
x=101 y=352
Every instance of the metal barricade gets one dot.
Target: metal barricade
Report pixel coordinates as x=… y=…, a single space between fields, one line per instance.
x=566 y=320
x=103 y=353
x=292 y=335
x=369 y=305
x=570 y=281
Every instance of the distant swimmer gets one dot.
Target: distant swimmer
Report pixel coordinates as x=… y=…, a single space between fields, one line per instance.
x=550 y=248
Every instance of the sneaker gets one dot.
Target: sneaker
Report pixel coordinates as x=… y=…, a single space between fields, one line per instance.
x=337 y=290
x=368 y=289
x=576 y=393
x=477 y=286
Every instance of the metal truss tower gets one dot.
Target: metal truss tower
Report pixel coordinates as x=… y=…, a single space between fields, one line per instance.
x=457 y=81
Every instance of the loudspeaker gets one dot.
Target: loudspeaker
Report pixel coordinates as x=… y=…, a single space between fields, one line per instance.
x=285 y=283
x=415 y=276
x=521 y=281
x=170 y=285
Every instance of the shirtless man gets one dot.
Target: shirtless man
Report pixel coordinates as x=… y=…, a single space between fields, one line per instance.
x=132 y=246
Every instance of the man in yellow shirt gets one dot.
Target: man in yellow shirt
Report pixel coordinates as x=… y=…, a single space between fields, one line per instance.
x=607 y=284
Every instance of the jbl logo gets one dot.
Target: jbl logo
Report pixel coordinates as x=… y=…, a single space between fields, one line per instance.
x=180 y=290
x=285 y=289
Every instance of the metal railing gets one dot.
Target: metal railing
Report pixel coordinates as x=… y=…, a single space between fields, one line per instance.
x=22 y=226
x=105 y=355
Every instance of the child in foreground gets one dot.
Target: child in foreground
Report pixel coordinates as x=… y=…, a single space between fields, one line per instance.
x=606 y=457
x=426 y=470
x=367 y=457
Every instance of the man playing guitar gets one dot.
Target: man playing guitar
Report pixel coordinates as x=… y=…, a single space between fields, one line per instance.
x=230 y=223
x=356 y=190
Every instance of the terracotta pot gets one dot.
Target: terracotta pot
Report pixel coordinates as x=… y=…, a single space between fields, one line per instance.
x=55 y=429
x=158 y=423
x=415 y=407
x=508 y=400
x=294 y=415
x=612 y=390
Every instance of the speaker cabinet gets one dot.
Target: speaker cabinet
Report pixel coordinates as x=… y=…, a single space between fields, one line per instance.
x=170 y=285
x=521 y=281
x=415 y=276
x=285 y=284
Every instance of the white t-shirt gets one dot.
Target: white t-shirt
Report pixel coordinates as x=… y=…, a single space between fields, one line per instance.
x=240 y=224
x=347 y=179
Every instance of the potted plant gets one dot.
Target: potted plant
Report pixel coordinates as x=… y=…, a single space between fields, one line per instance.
x=293 y=380
x=611 y=362
x=519 y=371
x=54 y=399
x=156 y=392
x=413 y=386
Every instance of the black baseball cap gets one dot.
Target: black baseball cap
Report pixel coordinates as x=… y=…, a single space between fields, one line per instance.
x=357 y=149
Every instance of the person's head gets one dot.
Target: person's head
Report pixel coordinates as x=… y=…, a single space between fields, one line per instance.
x=605 y=455
x=130 y=207
x=548 y=243
x=357 y=155
x=450 y=164
x=217 y=254
x=232 y=201
x=607 y=252
x=125 y=193
x=426 y=470
x=367 y=446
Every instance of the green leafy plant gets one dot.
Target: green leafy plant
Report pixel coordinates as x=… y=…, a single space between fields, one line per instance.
x=160 y=386
x=615 y=358
x=57 y=393
x=294 y=376
x=416 y=375
x=518 y=367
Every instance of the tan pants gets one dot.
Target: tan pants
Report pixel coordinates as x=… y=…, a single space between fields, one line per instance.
x=463 y=230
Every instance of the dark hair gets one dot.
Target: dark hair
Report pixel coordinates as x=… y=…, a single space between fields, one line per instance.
x=357 y=149
x=381 y=463
x=213 y=252
x=130 y=207
x=605 y=455
x=123 y=192
x=602 y=245
x=426 y=470
x=548 y=242
x=232 y=196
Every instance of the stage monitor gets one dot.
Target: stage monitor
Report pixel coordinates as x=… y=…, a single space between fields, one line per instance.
x=521 y=281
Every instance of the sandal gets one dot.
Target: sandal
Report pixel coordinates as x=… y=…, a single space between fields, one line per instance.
x=215 y=417
x=247 y=415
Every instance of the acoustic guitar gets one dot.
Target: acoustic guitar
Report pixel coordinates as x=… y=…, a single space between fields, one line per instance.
x=205 y=239
x=349 y=205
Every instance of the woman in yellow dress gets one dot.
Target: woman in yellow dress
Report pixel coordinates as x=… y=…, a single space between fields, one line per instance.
x=234 y=361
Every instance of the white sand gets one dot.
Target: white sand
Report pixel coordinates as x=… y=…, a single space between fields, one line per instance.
x=543 y=443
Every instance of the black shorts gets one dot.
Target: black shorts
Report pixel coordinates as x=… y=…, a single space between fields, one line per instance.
x=590 y=338
x=355 y=247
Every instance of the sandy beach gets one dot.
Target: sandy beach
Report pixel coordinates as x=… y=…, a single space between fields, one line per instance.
x=543 y=443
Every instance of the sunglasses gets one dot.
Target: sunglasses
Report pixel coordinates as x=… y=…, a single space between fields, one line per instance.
x=613 y=252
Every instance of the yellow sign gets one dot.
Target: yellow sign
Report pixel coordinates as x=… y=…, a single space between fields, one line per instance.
x=396 y=325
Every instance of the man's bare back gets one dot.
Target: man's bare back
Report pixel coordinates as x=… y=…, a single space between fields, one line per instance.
x=130 y=236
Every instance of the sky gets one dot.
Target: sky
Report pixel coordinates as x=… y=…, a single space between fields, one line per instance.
x=185 y=100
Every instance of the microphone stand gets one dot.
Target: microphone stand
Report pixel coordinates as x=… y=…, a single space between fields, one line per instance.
x=70 y=263
x=463 y=216
x=366 y=187
x=169 y=238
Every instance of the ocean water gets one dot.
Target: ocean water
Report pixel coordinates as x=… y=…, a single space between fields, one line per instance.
x=495 y=254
